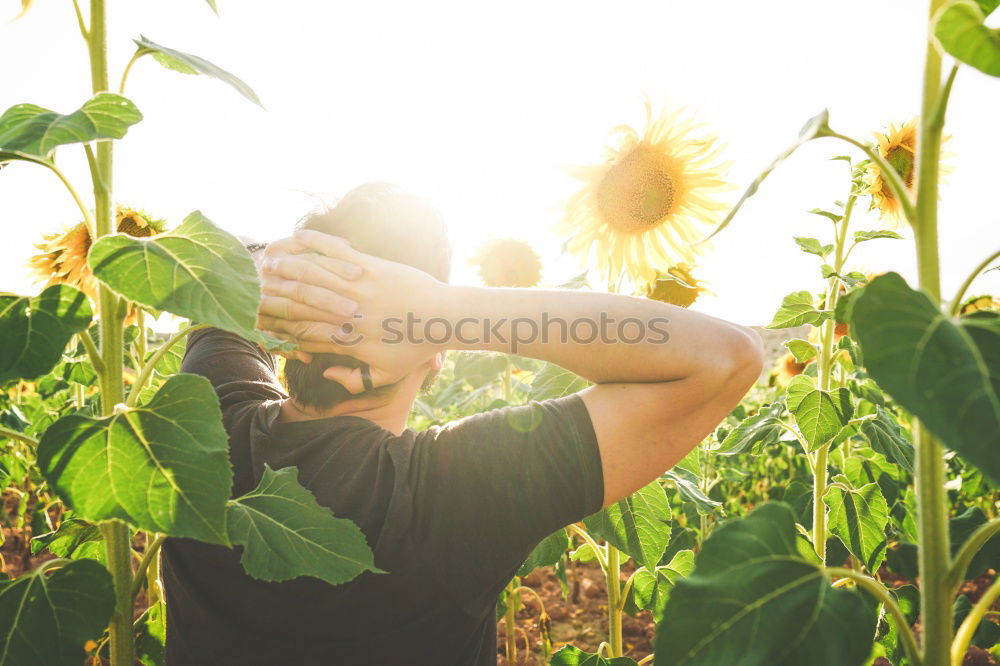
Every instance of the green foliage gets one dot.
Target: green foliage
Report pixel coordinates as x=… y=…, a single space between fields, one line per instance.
x=163 y=467
x=186 y=63
x=888 y=438
x=754 y=600
x=858 y=516
x=286 y=534
x=638 y=525
x=45 y=618
x=651 y=589
x=569 y=655
x=75 y=539
x=813 y=246
x=946 y=372
x=548 y=552
x=32 y=133
x=796 y=309
x=819 y=414
x=961 y=528
x=35 y=330
x=961 y=30
x=802 y=350
x=754 y=432
x=197 y=271
x=151 y=635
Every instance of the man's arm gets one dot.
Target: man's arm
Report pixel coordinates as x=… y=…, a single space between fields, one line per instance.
x=664 y=376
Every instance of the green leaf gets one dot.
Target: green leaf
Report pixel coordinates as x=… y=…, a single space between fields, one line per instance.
x=45 y=618
x=946 y=372
x=151 y=638
x=651 y=590
x=555 y=382
x=797 y=309
x=859 y=516
x=686 y=484
x=960 y=528
x=754 y=601
x=819 y=414
x=546 y=553
x=163 y=467
x=35 y=330
x=196 y=271
x=185 y=63
x=75 y=538
x=833 y=217
x=285 y=534
x=569 y=655
x=961 y=30
x=813 y=246
x=638 y=525
x=31 y=132
x=815 y=127
x=211 y=3
x=889 y=439
x=862 y=236
x=754 y=432
x=802 y=350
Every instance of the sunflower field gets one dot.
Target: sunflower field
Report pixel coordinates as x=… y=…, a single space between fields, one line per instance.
x=846 y=513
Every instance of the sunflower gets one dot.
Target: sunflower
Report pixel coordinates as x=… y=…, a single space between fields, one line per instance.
x=649 y=202
x=677 y=286
x=507 y=262
x=979 y=304
x=898 y=147
x=787 y=368
x=63 y=257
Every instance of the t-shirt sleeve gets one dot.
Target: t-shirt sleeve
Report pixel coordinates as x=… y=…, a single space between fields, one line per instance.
x=238 y=369
x=487 y=489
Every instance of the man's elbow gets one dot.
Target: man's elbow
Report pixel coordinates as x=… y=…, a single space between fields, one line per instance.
x=745 y=353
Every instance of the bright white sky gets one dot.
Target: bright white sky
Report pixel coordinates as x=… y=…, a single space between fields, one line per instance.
x=482 y=107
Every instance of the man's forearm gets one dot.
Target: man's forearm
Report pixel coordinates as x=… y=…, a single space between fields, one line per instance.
x=601 y=337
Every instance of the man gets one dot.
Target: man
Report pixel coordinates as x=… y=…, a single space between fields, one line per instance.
x=450 y=512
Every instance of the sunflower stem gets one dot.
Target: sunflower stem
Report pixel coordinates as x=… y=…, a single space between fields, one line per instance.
x=150 y=365
x=889 y=175
x=88 y=219
x=613 y=576
x=80 y=22
x=128 y=68
x=971 y=622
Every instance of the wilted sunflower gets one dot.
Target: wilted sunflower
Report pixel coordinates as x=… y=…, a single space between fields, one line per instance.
x=677 y=286
x=63 y=259
x=507 y=262
x=787 y=368
x=653 y=197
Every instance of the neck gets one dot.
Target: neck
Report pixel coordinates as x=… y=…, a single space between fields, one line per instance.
x=391 y=414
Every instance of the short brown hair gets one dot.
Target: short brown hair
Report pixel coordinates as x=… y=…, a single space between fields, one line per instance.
x=385 y=221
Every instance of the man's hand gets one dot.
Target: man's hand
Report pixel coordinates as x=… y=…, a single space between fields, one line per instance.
x=313 y=284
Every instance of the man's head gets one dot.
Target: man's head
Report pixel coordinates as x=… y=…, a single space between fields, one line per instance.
x=384 y=221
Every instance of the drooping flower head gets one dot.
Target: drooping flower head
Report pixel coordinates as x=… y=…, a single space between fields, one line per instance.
x=677 y=286
x=507 y=262
x=63 y=257
x=655 y=195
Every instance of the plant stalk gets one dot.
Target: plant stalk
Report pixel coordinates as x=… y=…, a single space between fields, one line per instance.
x=116 y=541
x=613 y=576
x=956 y=302
x=971 y=622
x=510 y=626
x=932 y=509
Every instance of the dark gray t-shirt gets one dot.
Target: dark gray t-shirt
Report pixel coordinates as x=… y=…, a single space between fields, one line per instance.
x=450 y=512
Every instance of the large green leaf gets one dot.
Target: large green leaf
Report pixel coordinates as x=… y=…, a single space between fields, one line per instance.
x=31 y=132
x=858 y=516
x=796 y=309
x=819 y=414
x=75 y=539
x=186 y=63
x=754 y=601
x=888 y=438
x=196 y=271
x=815 y=127
x=638 y=525
x=651 y=590
x=548 y=552
x=35 y=330
x=163 y=467
x=285 y=533
x=946 y=372
x=570 y=655
x=151 y=636
x=686 y=484
x=45 y=618
x=961 y=30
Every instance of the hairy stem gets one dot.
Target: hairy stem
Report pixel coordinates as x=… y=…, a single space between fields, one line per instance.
x=148 y=556
x=956 y=302
x=128 y=68
x=613 y=575
x=972 y=545
x=18 y=436
x=88 y=219
x=150 y=365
